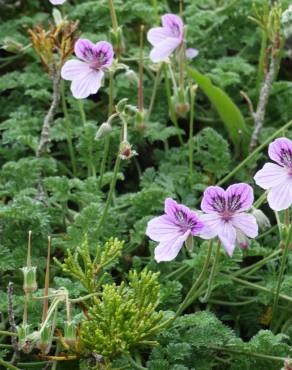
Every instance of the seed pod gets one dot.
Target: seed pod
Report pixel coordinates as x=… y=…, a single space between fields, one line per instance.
x=44 y=340
x=70 y=333
x=126 y=151
x=29 y=281
x=25 y=344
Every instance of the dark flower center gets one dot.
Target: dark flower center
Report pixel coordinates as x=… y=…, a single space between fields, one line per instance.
x=226 y=209
x=184 y=221
x=286 y=157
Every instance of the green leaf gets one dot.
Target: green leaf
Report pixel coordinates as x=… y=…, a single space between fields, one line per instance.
x=227 y=110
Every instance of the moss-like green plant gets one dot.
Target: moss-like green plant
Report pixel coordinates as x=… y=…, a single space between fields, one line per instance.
x=88 y=270
x=124 y=316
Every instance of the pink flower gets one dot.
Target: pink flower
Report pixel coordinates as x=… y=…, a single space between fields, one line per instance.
x=277 y=178
x=167 y=38
x=57 y=2
x=172 y=229
x=86 y=74
x=225 y=217
x=192 y=53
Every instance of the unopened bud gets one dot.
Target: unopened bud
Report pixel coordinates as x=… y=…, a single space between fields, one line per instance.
x=126 y=151
x=181 y=103
x=29 y=279
x=104 y=129
x=57 y=15
x=189 y=243
x=25 y=344
x=116 y=38
x=120 y=106
x=132 y=76
x=140 y=123
x=287 y=22
x=287 y=365
x=242 y=240
x=44 y=340
x=262 y=219
x=11 y=45
x=70 y=333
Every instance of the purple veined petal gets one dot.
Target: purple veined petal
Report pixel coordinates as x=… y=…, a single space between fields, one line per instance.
x=170 y=207
x=227 y=236
x=157 y=34
x=164 y=49
x=213 y=200
x=271 y=175
x=212 y=224
x=192 y=53
x=57 y=2
x=168 y=250
x=174 y=25
x=246 y=223
x=83 y=87
x=161 y=229
x=84 y=50
x=239 y=197
x=280 y=196
x=280 y=151
x=74 y=69
x=105 y=53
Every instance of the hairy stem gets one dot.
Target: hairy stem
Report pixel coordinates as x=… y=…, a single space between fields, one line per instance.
x=281 y=272
x=189 y=297
x=44 y=138
x=265 y=92
x=212 y=274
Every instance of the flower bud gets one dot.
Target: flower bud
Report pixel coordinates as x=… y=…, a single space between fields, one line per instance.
x=287 y=22
x=181 y=103
x=126 y=151
x=140 y=121
x=189 y=243
x=11 y=45
x=132 y=76
x=57 y=15
x=242 y=240
x=287 y=365
x=29 y=281
x=25 y=344
x=104 y=129
x=262 y=219
x=116 y=38
x=120 y=106
x=44 y=340
x=70 y=333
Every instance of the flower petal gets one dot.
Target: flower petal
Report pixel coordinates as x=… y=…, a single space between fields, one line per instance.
x=170 y=207
x=239 y=197
x=280 y=197
x=86 y=85
x=227 y=236
x=280 y=151
x=271 y=175
x=246 y=223
x=163 y=50
x=212 y=225
x=57 y=2
x=162 y=228
x=105 y=49
x=157 y=34
x=174 y=25
x=84 y=50
x=74 y=69
x=213 y=200
x=168 y=250
x=192 y=53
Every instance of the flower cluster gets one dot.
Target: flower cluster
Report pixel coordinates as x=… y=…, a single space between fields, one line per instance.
x=225 y=212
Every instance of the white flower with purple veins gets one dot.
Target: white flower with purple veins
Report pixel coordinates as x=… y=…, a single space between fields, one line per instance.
x=167 y=38
x=87 y=74
x=173 y=229
x=57 y=2
x=277 y=178
x=226 y=218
